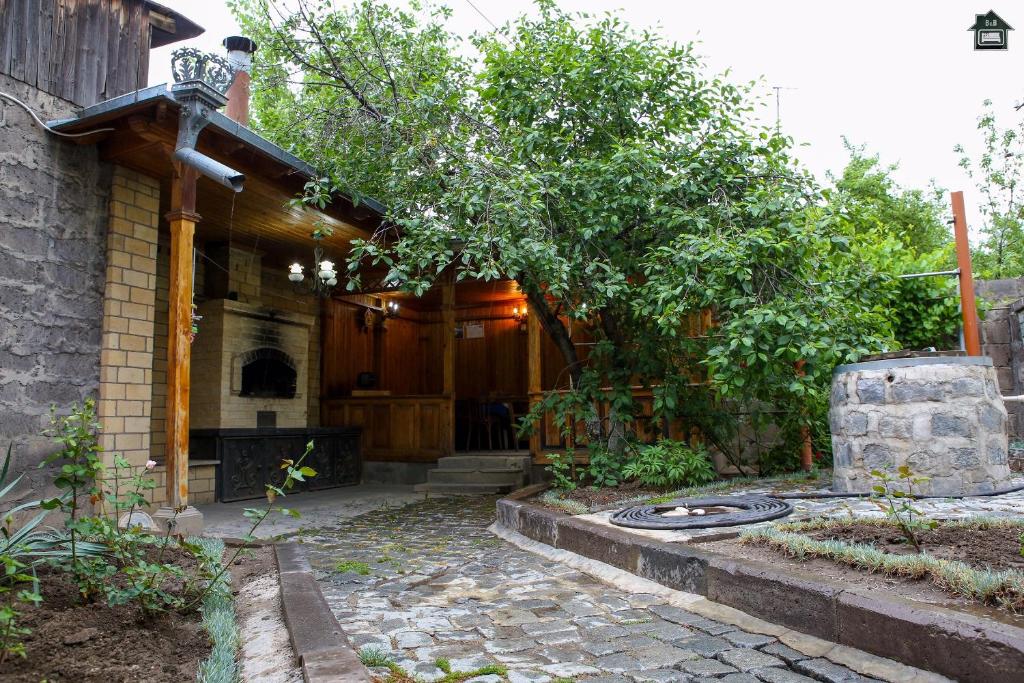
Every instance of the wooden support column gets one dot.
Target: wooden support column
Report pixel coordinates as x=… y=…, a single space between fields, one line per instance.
x=968 y=308
x=182 y=220
x=448 y=337
x=533 y=376
x=448 y=356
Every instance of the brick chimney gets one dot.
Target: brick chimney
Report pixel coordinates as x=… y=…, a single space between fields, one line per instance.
x=240 y=50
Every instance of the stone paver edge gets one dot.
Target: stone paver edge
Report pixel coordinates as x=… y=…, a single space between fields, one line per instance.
x=317 y=638
x=951 y=643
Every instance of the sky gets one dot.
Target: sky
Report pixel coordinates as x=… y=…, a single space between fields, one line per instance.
x=900 y=77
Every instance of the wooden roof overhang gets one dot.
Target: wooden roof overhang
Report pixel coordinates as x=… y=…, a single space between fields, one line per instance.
x=142 y=133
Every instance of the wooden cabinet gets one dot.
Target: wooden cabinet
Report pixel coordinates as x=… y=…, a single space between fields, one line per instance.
x=406 y=428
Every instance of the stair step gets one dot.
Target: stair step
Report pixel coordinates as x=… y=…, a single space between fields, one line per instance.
x=488 y=478
x=464 y=489
x=483 y=462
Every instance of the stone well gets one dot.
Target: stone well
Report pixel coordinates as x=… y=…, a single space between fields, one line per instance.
x=943 y=417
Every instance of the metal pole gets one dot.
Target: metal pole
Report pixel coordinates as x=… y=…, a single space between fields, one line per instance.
x=972 y=340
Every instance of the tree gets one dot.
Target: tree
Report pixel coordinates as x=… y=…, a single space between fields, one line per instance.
x=997 y=173
x=595 y=165
x=877 y=204
x=900 y=231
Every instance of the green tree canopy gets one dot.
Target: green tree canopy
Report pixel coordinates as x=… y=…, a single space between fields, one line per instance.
x=898 y=231
x=997 y=173
x=596 y=165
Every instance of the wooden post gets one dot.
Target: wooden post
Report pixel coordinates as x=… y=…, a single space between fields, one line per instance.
x=968 y=308
x=448 y=356
x=533 y=376
x=182 y=219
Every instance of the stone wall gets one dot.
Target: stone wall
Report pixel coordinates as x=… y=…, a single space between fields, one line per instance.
x=54 y=199
x=944 y=418
x=1001 y=341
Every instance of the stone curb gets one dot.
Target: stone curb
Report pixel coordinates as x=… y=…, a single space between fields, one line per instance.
x=319 y=642
x=954 y=644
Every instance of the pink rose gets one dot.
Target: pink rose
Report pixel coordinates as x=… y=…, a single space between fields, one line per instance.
x=150 y=464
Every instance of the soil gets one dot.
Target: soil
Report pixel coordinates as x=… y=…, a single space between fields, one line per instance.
x=96 y=643
x=917 y=590
x=612 y=494
x=993 y=548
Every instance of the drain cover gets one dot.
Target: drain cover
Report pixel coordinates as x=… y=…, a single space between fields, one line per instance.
x=751 y=509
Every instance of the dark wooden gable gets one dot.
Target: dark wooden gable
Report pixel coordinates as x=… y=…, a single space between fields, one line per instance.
x=83 y=51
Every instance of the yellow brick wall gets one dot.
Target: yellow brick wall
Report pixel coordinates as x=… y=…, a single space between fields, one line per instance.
x=126 y=355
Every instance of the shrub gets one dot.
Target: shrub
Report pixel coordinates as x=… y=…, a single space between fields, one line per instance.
x=605 y=467
x=670 y=463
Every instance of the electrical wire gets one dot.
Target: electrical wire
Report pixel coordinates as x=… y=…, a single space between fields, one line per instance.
x=42 y=124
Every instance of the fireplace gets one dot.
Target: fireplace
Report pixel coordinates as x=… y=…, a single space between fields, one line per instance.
x=268 y=373
x=250 y=363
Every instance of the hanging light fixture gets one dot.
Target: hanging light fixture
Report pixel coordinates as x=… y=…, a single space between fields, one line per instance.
x=325 y=276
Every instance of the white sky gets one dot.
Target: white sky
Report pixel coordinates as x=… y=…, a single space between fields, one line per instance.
x=900 y=76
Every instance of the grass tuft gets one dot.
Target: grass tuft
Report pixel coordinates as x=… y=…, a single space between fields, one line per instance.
x=353 y=566
x=374 y=656
x=573 y=507
x=1002 y=588
x=218 y=611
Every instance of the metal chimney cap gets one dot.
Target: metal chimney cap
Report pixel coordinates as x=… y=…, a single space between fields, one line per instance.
x=232 y=43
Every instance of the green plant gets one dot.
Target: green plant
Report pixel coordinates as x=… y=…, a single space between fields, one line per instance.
x=80 y=466
x=670 y=463
x=605 y=467
x=294 y=471
x=374 y=656
x=562 y=467
x=897 y=504
x=218 y=616
x=353 y=566
x=12 y=577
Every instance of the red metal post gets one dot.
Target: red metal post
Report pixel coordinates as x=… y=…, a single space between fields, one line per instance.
x=968 y=309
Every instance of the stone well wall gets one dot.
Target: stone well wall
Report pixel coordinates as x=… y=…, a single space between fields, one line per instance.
x=943 y=417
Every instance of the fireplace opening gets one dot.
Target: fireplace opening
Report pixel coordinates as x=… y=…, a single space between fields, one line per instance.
x=268 y=373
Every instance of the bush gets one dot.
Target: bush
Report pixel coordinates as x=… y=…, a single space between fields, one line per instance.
x=670 y=463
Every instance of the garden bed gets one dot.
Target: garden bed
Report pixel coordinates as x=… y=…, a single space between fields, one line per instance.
x=995 y=547
x=72 y=641
x=973 y=561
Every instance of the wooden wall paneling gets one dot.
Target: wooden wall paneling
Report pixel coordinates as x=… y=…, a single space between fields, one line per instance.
x=81 y=51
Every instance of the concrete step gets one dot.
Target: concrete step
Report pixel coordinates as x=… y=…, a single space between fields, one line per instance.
x=501 y=478
x=485 y=462
x=464 y=489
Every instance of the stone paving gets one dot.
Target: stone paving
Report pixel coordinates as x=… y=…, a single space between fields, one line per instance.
x=428 y=581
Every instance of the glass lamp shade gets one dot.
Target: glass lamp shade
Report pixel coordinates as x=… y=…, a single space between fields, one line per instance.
x=331 y=282
x=295 y=273
x=327 y=270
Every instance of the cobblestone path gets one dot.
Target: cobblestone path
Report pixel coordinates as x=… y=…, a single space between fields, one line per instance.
x=428 y=582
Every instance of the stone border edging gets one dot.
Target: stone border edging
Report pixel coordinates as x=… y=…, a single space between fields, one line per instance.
x=954 y=644
x=319 y=642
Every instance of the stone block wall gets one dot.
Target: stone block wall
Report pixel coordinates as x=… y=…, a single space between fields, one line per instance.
x=1001 y=341
x=126 y=358
x=944 y=418
x=54 y=200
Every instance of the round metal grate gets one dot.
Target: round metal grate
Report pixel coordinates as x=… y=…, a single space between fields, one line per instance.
x=752 y=509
